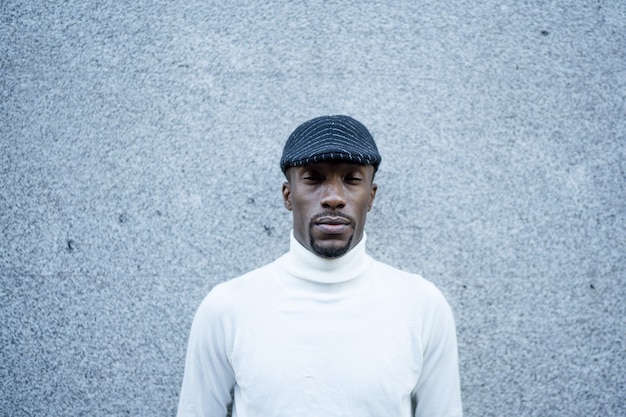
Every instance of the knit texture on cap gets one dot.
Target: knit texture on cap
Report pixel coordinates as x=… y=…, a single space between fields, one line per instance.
x=330 y=138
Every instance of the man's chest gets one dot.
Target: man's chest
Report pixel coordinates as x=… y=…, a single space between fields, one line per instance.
x=358 y=354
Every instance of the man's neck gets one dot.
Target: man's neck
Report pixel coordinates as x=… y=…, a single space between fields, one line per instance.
x=306 y=265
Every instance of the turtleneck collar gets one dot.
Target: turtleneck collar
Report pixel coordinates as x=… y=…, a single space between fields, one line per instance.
x=302 y=263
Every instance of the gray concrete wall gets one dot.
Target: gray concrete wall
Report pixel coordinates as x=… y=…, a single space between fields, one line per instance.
x=139 y=149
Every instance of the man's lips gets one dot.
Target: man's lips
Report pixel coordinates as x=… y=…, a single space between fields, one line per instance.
x=331 y=225
x=332 y=221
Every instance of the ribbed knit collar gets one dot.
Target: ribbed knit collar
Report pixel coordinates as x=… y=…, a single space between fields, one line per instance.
x=302 y=263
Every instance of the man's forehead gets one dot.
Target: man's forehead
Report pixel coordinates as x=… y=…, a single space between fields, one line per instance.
x=328 y=167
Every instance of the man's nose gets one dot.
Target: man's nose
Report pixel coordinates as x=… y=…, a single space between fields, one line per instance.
x=333 y=197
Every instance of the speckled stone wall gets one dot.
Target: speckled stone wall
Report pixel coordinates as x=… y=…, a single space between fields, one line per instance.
x=139 y=146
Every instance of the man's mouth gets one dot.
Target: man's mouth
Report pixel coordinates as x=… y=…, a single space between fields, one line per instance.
x=332 y=220
x=332 y=225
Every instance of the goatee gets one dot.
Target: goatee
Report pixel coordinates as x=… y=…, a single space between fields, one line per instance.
x=330 y=253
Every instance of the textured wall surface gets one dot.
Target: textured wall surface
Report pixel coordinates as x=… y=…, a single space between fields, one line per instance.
x=139 y=146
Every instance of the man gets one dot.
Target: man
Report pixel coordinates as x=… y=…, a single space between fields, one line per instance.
x=325 y=330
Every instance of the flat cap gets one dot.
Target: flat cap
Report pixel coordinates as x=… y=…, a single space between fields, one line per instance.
x=330 y=138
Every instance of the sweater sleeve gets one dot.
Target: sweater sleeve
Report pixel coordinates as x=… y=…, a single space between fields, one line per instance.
x=438 y=390
x=209 y=377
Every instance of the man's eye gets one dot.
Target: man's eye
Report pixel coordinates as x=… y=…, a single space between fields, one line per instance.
x=353 y=179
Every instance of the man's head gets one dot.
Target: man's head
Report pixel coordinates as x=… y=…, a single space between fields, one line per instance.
x=329 y=163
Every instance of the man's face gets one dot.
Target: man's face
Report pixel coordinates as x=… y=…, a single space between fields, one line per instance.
x=329 y=201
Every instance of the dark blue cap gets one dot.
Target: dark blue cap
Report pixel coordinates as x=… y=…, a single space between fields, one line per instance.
x=330 y=138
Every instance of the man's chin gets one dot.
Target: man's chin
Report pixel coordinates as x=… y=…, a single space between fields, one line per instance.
x=329 y=250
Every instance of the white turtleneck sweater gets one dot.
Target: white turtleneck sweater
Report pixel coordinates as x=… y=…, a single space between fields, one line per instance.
x=307 y=336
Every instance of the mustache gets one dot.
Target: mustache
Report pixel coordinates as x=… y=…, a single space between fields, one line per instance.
x=329 y=213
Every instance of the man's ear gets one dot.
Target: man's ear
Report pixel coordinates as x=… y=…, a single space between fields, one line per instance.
x=287 y=195
x=373 y=190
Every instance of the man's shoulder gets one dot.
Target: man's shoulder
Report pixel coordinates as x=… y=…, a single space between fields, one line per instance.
x=408 y=283
x=250 y=281
x=242 y=289
x=398 y=275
